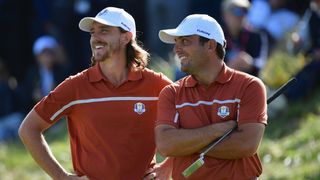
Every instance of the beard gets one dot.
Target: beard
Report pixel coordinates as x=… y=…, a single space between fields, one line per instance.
x=101 y=57
x=106 y=53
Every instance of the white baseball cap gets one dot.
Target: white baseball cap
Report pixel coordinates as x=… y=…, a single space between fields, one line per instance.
x=111 y=16
x=44 y=42
x=195 y=24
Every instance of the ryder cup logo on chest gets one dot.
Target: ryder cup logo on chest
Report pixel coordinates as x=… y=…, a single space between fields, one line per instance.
x=223 y=111
x=139 y=108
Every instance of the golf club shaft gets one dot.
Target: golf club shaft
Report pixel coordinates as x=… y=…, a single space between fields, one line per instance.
x=214 y=143
x=281 y=90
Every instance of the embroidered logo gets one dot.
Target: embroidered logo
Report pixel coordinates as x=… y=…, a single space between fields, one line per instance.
x=139 y=108
x=103 y=12
x=203 y=32
x=125 y=25
x=223 y=111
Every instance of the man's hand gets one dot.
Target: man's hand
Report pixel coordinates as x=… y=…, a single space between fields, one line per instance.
x=75 y=177
x=160 y=171
x=242 y=62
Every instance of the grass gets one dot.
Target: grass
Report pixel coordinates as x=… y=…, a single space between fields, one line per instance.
x=16 y=163
x=291 y=146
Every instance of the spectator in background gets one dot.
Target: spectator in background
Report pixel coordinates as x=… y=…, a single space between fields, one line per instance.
x=276 y=19
x=258 y=13
x=10 y=119
x=306 y=39
x=281 y=20
x=63 y=16
x=51 y=69
x=247 y=50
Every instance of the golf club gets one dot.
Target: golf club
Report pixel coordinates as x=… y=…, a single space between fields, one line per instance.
x=200 y=161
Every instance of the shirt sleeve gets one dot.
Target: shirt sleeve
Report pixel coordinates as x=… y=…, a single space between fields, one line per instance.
x=166 y=107
x=54 y=106
x=253 y=105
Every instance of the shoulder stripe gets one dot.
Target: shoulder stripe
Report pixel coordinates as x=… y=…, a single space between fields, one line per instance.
x=208 y=102
x=85 y=101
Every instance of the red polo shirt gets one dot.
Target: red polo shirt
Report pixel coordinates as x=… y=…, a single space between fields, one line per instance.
x=187 y=104
x=111 y=128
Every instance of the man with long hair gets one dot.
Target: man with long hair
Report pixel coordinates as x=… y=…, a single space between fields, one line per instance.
x=110 y=107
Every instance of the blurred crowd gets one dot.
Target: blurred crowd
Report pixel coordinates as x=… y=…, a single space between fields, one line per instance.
x=41 y=43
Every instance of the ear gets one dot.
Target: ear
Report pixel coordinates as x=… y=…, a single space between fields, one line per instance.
x=212 y=45
x=126 y=37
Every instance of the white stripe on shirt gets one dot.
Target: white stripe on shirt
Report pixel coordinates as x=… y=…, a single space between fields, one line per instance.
x=208 y=102
x=85 y=101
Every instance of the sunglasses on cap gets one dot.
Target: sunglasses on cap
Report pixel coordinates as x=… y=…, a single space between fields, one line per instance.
x=238 y=11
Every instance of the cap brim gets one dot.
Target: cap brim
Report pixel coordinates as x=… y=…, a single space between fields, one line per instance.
x=85 y=24
x=169 y=35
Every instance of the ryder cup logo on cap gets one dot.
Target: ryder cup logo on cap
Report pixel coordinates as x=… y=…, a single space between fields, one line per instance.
x=195 y=24
x=111 y=16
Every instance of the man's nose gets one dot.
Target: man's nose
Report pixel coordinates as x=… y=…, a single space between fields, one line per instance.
x=177 y=48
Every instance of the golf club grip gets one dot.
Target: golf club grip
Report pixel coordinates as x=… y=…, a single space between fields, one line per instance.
x=281 y=90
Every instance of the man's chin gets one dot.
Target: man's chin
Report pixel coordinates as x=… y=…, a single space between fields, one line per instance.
x=100 y=59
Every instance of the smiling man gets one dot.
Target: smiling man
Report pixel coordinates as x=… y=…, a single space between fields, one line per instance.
x=110 y=107
x=201 y=107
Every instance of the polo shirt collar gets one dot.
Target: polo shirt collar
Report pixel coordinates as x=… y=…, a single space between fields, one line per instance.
x=224 y=76
x=95 y=74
